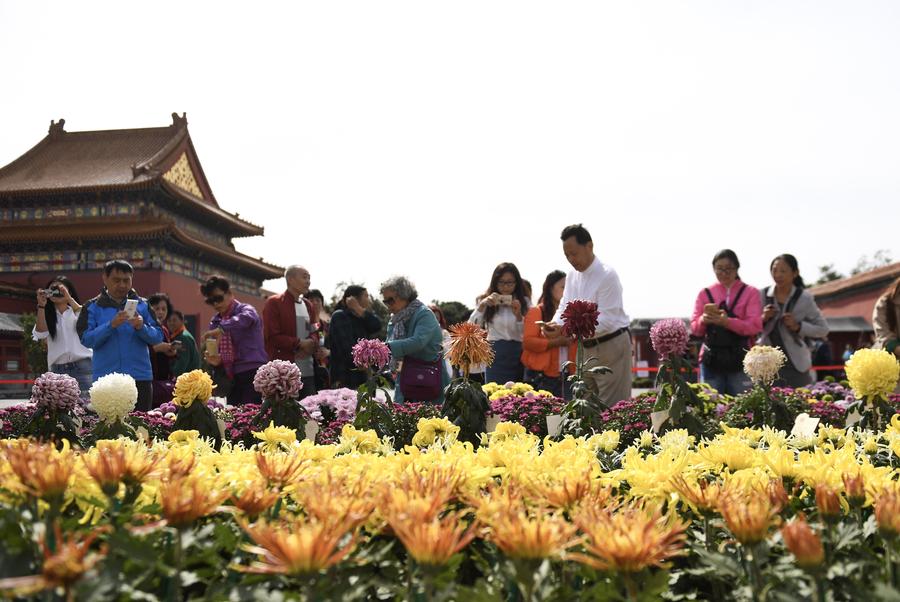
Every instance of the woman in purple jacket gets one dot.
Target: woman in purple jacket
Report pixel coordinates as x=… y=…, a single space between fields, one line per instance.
x=238 y=345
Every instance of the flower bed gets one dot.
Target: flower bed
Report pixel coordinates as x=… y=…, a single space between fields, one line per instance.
x=748 y=513
x=522 y=404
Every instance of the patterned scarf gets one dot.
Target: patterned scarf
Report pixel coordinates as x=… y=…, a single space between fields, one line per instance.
x=401 y=318
x=226 y=344
x=401 y=323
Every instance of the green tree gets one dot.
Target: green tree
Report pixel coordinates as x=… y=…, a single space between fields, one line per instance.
x=880 y=258
x=35 y=351
x=827 y=273
x=454 y=311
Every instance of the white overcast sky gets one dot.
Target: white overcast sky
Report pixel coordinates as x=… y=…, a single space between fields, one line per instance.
x=436 y=140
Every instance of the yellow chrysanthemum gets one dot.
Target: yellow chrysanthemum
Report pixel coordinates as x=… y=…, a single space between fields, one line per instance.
x=274 y=437
x=872 y=373
x=187 y=437
x=607 y=441
x=431 y=430
x=353 y=440
x=192 y=386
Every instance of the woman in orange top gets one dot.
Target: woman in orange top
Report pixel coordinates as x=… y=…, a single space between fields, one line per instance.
x=543 y=357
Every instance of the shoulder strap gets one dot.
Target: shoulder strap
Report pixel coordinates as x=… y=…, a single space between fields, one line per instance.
x=793 y=300
x=709 y=295
x=736 y=298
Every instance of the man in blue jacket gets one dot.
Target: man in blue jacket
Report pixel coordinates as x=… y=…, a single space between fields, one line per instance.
x=119 y=338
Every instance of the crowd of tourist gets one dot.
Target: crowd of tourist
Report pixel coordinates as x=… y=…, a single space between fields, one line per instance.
x=120 y=331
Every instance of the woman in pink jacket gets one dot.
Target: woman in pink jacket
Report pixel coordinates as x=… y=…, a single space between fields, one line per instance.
x=728 y=316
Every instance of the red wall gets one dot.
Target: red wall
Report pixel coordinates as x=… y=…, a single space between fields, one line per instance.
x=860 y=304
x=184 y=291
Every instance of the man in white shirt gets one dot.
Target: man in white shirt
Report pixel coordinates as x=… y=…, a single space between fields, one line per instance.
x=592 y=280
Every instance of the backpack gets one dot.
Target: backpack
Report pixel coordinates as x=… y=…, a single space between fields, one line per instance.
x=725 y=349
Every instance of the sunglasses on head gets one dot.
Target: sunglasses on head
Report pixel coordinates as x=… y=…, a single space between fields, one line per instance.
x=214 y=299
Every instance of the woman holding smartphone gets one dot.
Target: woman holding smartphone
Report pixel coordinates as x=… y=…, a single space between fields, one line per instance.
x=727 y=316
x=501 y=311
x=544 y=356
x=790 y=316
x=57 y=313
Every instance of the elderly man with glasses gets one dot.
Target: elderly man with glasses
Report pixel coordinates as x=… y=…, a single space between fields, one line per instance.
x=234 y=342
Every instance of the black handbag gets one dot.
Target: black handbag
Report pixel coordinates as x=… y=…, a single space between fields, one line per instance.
x=724 y=349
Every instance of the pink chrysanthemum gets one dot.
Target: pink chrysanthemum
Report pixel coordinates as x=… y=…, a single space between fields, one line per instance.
x=371 y=353
x=580 y=319
x=278 y=380
x=55 y=392
x=669 y=337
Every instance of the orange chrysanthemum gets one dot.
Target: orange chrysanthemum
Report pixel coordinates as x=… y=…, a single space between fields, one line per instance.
x=887 y=512
x=254 y=499
x=431 y=542
x=280 y=469
x=62 y=568
x=43 y=470
x=701 y=496
x=628 y=538
x=532 y=535
x=749 y=517
x=828 y=503
x=563 y=490
x=114 y=462
x=855 y=488
x=298 y=546
x=803 y=543
x=332 y=496
x=469 y=346
x=185 y=499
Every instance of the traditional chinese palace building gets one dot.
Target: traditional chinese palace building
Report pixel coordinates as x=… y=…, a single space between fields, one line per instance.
x=79 y=199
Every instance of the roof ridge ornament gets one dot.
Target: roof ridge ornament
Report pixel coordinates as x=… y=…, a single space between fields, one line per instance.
x=179 y=122
x=56 y=127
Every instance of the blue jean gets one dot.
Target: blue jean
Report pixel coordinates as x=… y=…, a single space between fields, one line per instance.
x=507 y=364
x=726 y=383
x=80 y=371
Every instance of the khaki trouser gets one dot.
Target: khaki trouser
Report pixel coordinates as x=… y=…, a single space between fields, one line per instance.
x=616 y=355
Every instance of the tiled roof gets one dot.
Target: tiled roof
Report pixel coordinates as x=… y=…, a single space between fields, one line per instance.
x=70 y=162
x=89 y=160
x=880 y=276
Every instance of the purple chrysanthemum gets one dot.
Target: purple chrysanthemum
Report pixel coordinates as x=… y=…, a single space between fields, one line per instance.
x=278 y=380
x=669 y=337
x=55 y=392
x=371 y=353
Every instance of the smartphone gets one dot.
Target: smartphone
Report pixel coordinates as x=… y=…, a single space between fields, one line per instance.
x=176 y=344
x=541 y=323
x=212 y=346
x=710 y=309
x=131 y=307
x=505 y=300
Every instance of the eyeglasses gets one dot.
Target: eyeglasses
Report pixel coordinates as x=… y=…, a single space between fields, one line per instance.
x=721 y=270
x=388 y=300
x=214 y=299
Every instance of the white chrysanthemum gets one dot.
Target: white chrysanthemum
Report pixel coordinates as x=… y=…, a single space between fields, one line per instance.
x=762 y=364
x=113 y=396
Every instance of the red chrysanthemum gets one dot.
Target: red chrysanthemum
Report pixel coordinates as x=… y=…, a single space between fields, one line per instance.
x=580 y=319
